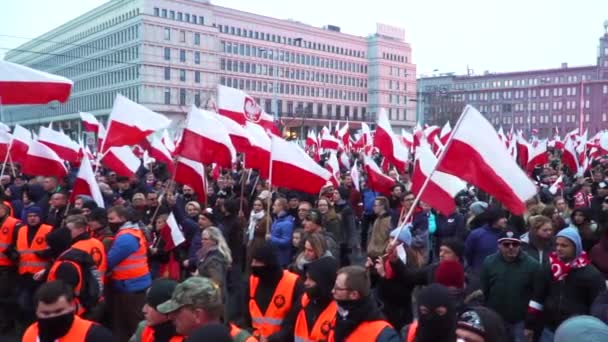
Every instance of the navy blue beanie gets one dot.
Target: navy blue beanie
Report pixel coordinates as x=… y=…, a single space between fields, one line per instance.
x=33 y=210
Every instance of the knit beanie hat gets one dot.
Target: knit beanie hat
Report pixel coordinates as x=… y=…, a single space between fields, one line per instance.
x=33 y=210
x=267 y=254
x=478 y=207
x=572 y=234
x=160 y=292
x=455 y=244
x=450 y=273
x=582 y=329
x=405 y=235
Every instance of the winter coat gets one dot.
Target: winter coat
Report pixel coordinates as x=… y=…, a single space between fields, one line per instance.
x=508 y=286
x=481 y=243
x=541 y=255
x=280 y=236
x=379 y=236
x=599 y=255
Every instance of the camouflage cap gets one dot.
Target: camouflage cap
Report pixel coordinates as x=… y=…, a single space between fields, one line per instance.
x=199 y=292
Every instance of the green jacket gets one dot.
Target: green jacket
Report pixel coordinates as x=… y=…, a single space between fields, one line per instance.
x=508 y=286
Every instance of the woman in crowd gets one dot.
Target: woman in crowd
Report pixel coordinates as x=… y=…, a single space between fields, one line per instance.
x=256 y=228
x=538 y=242
x=315 y=247
x=558 y=221
x=215 y=257
x=164 y=256
x=193 y=209
x=330 y=220
x=581 y=220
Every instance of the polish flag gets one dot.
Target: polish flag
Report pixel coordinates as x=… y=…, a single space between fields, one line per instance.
x=240 y=107
x=569 y=155
x=311 y=139
x=523 y=147
x=441 y=189
x=191 y=173
x=20 y=85
x=512 y=149
x=344 y=160
x=237 y=134
x=122 y=161
x=129 y=123
x=41 y=160
x=89 y=122
x=356 y=177
x=557 y=185
x=329 y=142
x=258 y=156
x=366 y=134
x=430 y=133
x=334 y=168
x=85 y=184
x=175 y=236
x=408 y=139
x=502 y=137
x=444 y=135
x=66 y=148
x=21 y=143
x=376 y=180
x=388 y=144
x=5 y=143
x=476 y=155
x=537 y=155
x=293 y=169
x=161 y=154
x=101 y=136
x=167 y=141
x=344 y=136
x=206 y=140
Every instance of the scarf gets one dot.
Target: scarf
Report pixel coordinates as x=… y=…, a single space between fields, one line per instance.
x=254 y=218
x=560 y=269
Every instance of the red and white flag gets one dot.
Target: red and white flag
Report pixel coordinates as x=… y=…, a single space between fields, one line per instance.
x=537 y=155
x=20 y=85
x=311 y=139
x=444 y=135
x=205 y=139
x=191 y=173
x=344 y=136
x=523 y=155
x=344 y=160
x=475 y=154
x=5 y=143
x=356 y=177
x=176 y=237
x=237 y=134
x=66 y=148
x=167 y=141
x=366 y=134
x=129 y=123
x=89 y=122
x=121 y=160
x=329 y=142
x=441 y=189
x=389 y=145
x=86 y=184
x=240 y=107
x=258 y=155
x=569 y=155
x=21 y=143
x=40 y=160
x=101 y=136
x=334 y=168
x=293 y=169
x=376 y=180
x=161 y=154
x=430 y=133
x=557 y=185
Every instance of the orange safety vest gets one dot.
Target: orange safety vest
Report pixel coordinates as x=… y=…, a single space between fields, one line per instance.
x=322 y=326
x=80 y=310
x=365 y=332
x=136 y=264
x=6 y=239
x=11 y=211
x=269 y=323
x=235 y=331
x=147 y=335
x=411 y=333
x=28 y=261
x=78 y=331
x=97 y=251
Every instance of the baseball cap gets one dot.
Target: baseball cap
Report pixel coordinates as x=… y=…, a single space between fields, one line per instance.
x=508 y=235
x=199 y=292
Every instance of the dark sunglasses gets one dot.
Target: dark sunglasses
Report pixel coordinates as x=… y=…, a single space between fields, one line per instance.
x=510 y=244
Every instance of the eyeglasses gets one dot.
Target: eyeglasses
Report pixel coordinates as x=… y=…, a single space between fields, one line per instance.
x=510 y=244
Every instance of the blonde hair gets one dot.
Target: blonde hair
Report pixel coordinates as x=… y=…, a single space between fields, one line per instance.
x=216 y=235
x=194 y=204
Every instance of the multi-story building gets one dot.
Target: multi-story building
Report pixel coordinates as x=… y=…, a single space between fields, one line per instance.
x=564 y=98
x=169 y=54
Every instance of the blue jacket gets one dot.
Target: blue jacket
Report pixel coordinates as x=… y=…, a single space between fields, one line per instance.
x=122 y=247
x=481 y=243
x=369 y=197
x=280 y=236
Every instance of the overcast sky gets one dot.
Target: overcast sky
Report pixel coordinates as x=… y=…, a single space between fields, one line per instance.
x=448 y=35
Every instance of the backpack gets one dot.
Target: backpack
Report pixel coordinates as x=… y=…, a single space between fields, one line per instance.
x=92 y=284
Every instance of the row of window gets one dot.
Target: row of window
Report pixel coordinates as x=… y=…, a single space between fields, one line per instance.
x=104 y=44
x=540 y=106
x=123 y=58
x=292 y=89
x=182 y=75
x=106 y=79
x=196 y=37
x=90 y=31
x=393 y=57
x=290 y=73
x=179 y=16
x=299 y=42
x=182 y=55
x=290 y=57
x=542 y=119
x=525 y=82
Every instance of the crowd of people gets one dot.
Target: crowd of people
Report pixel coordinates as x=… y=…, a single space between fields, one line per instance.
x=264 y=264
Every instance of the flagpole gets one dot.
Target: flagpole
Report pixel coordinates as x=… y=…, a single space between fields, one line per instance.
x=269 y=199
x=393 y=243
x=8 y=153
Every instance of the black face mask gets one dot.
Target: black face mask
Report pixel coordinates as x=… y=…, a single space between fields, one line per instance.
x=313 y=292
x=260 y=271
x=432 y=326
x=348 y=305
x=115 y=226
x=51 y=329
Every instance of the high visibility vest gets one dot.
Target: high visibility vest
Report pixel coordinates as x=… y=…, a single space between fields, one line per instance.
x=240 y=335
x=365 y=332
x=147 y=335
x=28 y=261
x=80 y=310
x=320 y=328
x=97 y=251
x=411 y=333
x=270 y=322
x=78 y=331
x=6 y=238
x=136 y=264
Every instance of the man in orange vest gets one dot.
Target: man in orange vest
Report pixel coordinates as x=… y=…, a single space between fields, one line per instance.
x=157 y=326
x=317 y=307
x=9 y=226
x=33 y=259
x=98 y=224
x=270 y=311
x=56 y=320
x=130 y=277
x=358 y=317
x=82 y=240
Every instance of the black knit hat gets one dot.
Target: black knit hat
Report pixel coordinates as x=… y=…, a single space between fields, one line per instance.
x=267 y=254
x=324 y=272
x=455 y=244
x=160 y=292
